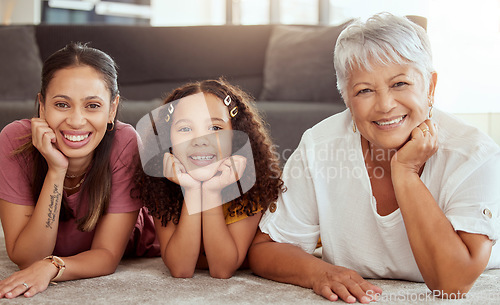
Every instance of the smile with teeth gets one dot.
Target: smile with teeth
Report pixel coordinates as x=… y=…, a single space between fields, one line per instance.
x=204 y=158
x=395 y=121
x=76 y=138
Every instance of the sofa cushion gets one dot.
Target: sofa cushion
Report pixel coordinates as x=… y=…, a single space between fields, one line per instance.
x=155 y=60
x=288 y=120
x=299 y=64
x=20 y=63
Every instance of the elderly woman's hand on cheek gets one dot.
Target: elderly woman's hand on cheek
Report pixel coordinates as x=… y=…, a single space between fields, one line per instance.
x=422 y=145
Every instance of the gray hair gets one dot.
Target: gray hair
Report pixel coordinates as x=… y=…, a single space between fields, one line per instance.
x=383 y=39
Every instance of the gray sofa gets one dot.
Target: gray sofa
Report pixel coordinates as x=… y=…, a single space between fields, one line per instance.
x=287 y=69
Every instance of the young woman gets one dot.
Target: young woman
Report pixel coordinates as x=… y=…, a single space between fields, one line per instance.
x=66 y=176
x=199 y=221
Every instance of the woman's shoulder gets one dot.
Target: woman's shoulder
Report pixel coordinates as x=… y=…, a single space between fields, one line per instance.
x=17 y=128
x=335 y=128
x=125 y=134
x=124 y=128
x=124 y=143
x=16 y=132
x=459 y=137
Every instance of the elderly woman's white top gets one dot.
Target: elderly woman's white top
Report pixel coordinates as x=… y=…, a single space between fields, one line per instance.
x=329 y=195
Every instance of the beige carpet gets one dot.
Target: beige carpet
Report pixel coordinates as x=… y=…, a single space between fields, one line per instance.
x=147 y=281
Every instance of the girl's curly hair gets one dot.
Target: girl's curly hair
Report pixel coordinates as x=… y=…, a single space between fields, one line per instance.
x=164 y=198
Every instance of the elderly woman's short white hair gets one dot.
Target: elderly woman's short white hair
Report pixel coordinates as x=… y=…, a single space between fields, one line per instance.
x=383 y=39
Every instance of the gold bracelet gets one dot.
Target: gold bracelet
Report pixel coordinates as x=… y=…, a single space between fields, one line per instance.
x=58 y=263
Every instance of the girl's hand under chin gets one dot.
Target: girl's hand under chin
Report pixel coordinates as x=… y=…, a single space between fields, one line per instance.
x=44 y=139
x=422 y=145
x=174 y=171
x=229 y=171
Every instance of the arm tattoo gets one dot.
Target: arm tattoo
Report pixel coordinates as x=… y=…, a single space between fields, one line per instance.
x=54 y=200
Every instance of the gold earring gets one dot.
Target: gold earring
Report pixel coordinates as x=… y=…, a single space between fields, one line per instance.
x=431 y=104
x=353 y=126
x=112 y=126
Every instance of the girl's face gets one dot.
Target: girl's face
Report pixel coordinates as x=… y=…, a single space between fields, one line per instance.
x=201 y=134
x=388 y=103
x=77 y=107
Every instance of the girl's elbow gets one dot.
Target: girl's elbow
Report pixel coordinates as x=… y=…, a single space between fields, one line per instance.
x=181 y=273
x=226 y=269
x=178 y=270
x=221 y=273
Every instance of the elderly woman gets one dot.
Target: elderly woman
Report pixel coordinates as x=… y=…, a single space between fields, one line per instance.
x=395 y=188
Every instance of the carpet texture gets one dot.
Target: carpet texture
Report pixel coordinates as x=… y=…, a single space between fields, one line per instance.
x=147 y=281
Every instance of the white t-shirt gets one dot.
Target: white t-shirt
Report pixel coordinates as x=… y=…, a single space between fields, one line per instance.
x=329 y=195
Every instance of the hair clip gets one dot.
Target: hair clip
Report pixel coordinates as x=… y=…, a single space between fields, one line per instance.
x=234 y=112
x=227 y=100
x=170 y=110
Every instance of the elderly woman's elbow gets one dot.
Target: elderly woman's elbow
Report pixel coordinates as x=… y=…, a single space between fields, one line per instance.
x=451 y=289
x=451 y=292
x=455 y=281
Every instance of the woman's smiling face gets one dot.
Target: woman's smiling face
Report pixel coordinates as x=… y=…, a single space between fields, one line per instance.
x=387 y=103
x=201 y=134
x=77 y=107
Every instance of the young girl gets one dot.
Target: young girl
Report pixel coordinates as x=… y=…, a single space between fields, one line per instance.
x=199 y=222
x=66 y=177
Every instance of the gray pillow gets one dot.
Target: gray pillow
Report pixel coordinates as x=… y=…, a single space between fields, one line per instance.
x=20 y=63
x=299 y=64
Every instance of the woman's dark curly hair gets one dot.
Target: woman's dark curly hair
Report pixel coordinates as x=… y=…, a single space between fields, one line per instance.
x=164 y=198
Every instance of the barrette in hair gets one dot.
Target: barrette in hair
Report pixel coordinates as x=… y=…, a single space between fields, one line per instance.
x=170 y=110
x=234 y=112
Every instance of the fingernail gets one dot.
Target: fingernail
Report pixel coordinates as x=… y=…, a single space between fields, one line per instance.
x=365 y=300
x=351 y=299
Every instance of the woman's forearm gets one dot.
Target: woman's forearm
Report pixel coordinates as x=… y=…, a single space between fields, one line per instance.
x=91 y=263
x=38 y=238
x=288 y=263
x=284 y=263
x=445 y=261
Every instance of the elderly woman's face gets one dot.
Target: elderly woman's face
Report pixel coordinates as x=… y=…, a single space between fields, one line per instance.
x=387 y=103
